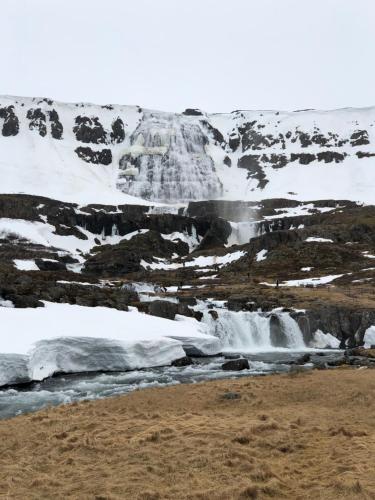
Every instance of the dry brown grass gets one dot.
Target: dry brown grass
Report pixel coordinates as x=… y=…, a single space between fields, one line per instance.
x=354 y=296
x=305 y=437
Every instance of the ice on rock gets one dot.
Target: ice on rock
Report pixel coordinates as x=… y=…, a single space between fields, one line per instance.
x=168 y=157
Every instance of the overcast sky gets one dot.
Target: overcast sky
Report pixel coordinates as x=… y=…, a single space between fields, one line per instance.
x=217 y=55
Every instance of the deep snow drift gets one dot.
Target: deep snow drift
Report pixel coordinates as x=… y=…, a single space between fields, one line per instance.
x=36 y=343
x=106 y=154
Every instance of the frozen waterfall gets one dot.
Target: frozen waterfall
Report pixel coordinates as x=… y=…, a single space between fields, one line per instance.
x=167 y=161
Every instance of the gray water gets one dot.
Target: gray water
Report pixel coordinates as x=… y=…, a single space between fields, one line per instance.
x=69 y=388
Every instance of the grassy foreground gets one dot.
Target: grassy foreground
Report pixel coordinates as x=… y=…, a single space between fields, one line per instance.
x=307 y=435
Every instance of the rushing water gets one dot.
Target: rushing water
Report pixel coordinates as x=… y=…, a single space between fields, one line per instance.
x=68 y=388
x=245 y=331
x=270 y=341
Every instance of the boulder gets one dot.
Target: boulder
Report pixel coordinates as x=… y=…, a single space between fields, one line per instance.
x=185 y=361
x=236 y=365
x=50 y=265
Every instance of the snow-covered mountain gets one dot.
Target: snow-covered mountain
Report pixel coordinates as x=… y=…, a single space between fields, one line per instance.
x=111 y=154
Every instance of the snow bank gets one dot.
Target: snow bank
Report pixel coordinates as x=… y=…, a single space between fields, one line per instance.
x=369 y=338
x=71 y=338
x=324 y=341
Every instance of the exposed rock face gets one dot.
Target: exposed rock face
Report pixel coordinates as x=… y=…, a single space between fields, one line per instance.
x=217 y=234
x=89 y=130
x=11 y=123
x=303 y=158
x=255 y=170
x=192 y=112
x=124 y=258
x=56 y=126
x=118 y=131
x=25 y=290
x=37 y=121
x=348 y=325
x=359 y=138
x=103 y=157
x=168 y=310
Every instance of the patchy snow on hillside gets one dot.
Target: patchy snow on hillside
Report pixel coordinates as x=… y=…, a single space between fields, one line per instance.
x=322 y=280
x=201 y=261
x=261 y=255
x=51 y=152
x=313 y=239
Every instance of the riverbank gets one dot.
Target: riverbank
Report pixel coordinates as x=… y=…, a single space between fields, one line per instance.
x=298 y=435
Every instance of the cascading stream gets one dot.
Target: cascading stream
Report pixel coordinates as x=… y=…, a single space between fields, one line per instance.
x=251 y=331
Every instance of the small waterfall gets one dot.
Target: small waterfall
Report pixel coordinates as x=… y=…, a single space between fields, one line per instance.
x=292 y=332
x=241 y=233
x=252 y=331
x=168 y=161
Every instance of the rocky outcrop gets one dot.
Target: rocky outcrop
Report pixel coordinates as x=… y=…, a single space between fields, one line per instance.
x=126 y=257
x=359 y=138
x=30 y=289
x=11 y=123
x=348 y=325
x=255 y=170
x=168 y=310
x=102 y=157
x=217 y=234
x=37 y=121
x=89 y=130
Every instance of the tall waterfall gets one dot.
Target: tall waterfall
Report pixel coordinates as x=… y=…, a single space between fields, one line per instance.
x=167 y=161
x=251 y=331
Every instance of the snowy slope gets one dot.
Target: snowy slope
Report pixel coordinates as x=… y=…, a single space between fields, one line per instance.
x=86 y=153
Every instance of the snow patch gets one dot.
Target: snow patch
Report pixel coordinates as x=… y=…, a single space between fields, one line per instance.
x=25 y=265
x=369 y=337
x=262 y=255
x=318 y=240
